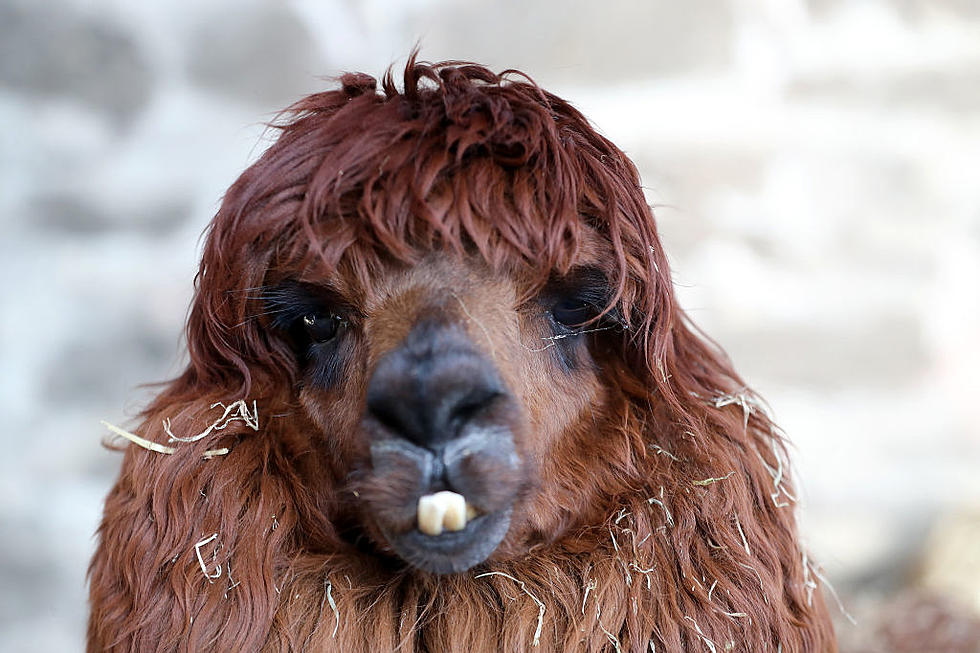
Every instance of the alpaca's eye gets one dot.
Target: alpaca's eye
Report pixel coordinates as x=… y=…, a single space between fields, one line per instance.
x=321 y=327
x=573 y=312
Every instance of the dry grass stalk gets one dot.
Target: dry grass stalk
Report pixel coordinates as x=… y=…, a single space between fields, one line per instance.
x=333 y=606
x=232 y=583
x=808 y=582
x=230 y=415
x=840 y=604
x=552 y=340
x=156 y=446
x=709 y=481
x=612 y=638
x=200 y=560
x=707 y=642
x=748 y=404
x=663 y=452
x=137 y=440
x=745 y=542
x=537 y=631
x=660 y=502
x=588 y=588
x=762 y=586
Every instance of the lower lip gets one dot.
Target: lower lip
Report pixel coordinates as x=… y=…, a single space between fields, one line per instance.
x=448 y=541
x=453 y=551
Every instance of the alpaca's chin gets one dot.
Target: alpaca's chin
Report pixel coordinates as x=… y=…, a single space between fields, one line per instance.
x=453 y=551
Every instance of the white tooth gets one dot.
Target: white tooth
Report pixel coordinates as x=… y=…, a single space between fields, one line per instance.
x=470 y=512
x=455 y=517
x=431 y=510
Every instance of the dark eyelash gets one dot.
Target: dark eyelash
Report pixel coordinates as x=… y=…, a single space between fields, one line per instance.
x=289 y=301
x=589 y=286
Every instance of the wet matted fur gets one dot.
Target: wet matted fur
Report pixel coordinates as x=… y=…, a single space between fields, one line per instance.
x=656 y=508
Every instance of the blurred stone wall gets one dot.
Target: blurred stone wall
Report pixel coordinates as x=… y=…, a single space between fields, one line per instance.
x=814 y=166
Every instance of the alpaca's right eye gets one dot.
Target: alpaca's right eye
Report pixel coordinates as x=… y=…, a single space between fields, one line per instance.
x=573 y=313
x=321 y=327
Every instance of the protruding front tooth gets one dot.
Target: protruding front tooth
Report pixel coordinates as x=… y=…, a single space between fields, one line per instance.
x=443 y=510
x=455 y=517
x=470 y=512
x=431 y=511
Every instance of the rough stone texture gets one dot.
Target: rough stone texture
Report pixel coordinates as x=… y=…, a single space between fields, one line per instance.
x=264 y=55
x=887 y=353
x=48 y=51
x=29 y=571
x=579 y=41
x=97 y=366
x=913 y=9
x=813 y=163
x=78 y=216
x=934 y=89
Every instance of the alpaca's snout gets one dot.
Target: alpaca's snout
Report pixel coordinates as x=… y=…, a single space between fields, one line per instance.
x=445 y=470
x=435 y=386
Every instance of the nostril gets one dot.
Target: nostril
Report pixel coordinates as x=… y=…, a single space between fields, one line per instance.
x=401 y=415
x=433 y=419
x=471 y=405
x=388 y=418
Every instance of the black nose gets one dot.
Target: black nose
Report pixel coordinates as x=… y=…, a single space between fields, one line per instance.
x=433 y=385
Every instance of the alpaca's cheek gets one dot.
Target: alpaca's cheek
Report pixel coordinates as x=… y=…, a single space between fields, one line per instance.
x=336 y=413
x=555 y=407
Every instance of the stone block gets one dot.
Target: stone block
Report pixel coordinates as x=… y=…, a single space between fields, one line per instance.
x=73 y=214
x=51 y=51
x=582 y=42
x=256 y=53
x=95 y=368
x=954 y=89
x=886 y=351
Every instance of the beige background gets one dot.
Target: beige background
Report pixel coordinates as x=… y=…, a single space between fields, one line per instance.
x=815 y=169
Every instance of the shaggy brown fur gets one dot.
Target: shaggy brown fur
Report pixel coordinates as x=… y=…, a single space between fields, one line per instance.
x=656 y=508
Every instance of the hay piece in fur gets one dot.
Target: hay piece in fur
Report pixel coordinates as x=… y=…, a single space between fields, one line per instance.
x=234 y=412
x=156 y=446
x=537 y=631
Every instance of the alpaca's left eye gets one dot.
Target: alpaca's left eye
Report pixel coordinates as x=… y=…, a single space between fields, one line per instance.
x=321 y=327
x=573 y=313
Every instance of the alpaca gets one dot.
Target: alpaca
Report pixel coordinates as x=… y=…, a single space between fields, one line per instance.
x=440 y=397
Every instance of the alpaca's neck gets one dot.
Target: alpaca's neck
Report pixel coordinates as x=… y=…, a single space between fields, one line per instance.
x=635 y=589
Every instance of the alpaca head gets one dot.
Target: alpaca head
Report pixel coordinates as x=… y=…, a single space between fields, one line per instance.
x=460 y=287
x=450 y=307
x=445 y=376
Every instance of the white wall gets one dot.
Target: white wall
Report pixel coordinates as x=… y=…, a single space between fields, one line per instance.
x=815 y=166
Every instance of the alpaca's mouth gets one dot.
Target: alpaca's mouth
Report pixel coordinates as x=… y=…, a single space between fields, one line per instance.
x=450 y=541
x=447 y=508
x=448 y=534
